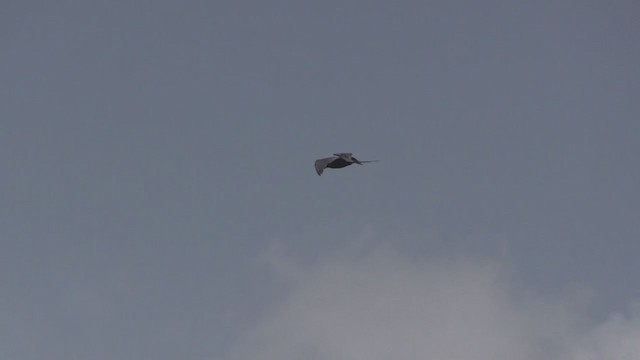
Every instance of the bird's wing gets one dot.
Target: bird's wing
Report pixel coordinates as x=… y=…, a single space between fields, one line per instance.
x=353 y=158
x=321 y=164
x=345 y=156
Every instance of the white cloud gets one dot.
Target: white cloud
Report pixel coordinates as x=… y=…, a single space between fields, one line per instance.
x=618 y=339
x=381 y=305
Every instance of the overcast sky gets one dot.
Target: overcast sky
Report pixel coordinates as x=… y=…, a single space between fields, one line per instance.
x=158 y=198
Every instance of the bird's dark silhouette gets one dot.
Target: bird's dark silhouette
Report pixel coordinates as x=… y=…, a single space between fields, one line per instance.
x=338 y=161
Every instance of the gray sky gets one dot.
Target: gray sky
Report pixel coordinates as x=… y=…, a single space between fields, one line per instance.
x=158 y=198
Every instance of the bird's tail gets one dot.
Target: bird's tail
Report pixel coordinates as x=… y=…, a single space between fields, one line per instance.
x=367 y=161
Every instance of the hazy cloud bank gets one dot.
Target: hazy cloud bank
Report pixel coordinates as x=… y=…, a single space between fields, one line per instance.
x=382 y=305
x=617 y=338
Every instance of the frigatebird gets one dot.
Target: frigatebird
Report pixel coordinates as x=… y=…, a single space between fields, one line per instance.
x=337 y=161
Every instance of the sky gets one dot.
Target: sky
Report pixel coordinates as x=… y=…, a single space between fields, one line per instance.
x=158 y=198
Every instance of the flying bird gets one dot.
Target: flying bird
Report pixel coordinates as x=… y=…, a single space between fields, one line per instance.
x=338 y=161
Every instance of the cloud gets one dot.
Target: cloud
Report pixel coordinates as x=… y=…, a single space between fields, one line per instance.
x=617 y=338
x=381 y=305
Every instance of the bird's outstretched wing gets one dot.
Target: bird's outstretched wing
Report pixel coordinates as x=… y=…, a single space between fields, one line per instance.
x=321 y=164
x=361 y=162
x=344 y=156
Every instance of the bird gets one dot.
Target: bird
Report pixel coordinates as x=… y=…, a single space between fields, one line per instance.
x=337 y=161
